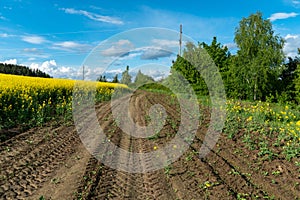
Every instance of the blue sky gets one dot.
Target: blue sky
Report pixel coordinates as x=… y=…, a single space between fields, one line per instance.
x=59 y=36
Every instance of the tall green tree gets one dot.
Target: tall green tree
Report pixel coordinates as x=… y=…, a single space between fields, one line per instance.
x=286 y=86
x=141 y=78
x=221 y=57
x=126 y=77
x=182 y=68
x=259 y=58
x=115 y=79
x=218 y=53
x=297 y=80
x=102 y=78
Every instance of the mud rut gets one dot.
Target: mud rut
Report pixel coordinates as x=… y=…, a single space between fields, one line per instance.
x=52 y=162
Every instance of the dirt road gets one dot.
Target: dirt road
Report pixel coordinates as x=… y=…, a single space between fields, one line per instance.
x=52 y=163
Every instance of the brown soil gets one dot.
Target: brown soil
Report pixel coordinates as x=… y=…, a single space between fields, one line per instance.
x=51 y=162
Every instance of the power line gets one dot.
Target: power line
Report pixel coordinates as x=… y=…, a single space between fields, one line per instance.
x=83 y=72
x=180 y=40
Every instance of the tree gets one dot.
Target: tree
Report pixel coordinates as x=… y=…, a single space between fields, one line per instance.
x=286 y=86
x=259 y=58
x=218 y=53
x=182 y=67
x=22 y=70
x=297 y=79
x=102 y=79
x=141 y=78
x=126 y=77
x=222 y=58
x=210 y=60
x=115 y=79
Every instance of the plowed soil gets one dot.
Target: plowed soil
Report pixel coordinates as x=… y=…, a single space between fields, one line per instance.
x=51 y=162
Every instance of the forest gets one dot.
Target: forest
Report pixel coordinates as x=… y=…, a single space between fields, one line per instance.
x=22 y=70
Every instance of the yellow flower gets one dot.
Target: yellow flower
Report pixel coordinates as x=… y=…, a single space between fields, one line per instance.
x=207 y=184
x=155 y=147
x=249 y=119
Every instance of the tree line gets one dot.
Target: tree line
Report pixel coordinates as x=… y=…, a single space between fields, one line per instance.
x=22 y=70
x=126 y=78
x=258 y=70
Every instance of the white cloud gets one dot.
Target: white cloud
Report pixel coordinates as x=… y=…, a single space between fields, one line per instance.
x=128 y=56
x=50 y=67
x=10 y=61
x=34 y=39
x=94 y=16
x=124 y=49
x=165 y=43
x=230 y=46
x=156 y=71
x=158 y=74
x=7 y=8
x=33 y=53
x=4 y=35
x=277 y=16
x=114 y=71
x=2 y=17
x=291 y=45
x=30 y=50
x=34 y=66
x=154 y=53
x=71 y=45
x=31 y=59
x=119 y=48
x=296 y=3
x=68 y=44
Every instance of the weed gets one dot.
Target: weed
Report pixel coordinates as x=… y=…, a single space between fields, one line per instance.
x=276 y=173
x=147 y=119
x=242 y=196
x=55 y=180
x=234 y=172
x=273 y=181
x=154 y=137
x=42 y=198
x=247 y=174
x=249 y=142
x=190 y=173
x=265 y=173
x=167 y=170
x=190 y=155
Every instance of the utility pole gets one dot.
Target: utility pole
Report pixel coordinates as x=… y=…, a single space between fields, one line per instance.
x=180 y=40
x=83 y=72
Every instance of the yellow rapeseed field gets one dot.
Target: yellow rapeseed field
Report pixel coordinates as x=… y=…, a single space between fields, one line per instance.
x=31 y=100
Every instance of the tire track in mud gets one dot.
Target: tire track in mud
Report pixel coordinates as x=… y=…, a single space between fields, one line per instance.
x=180 y=180
x=235 y=173
x=29 y=160
x=110 y=183
x=33 y=164
x=195 y=179
x=221 y=168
